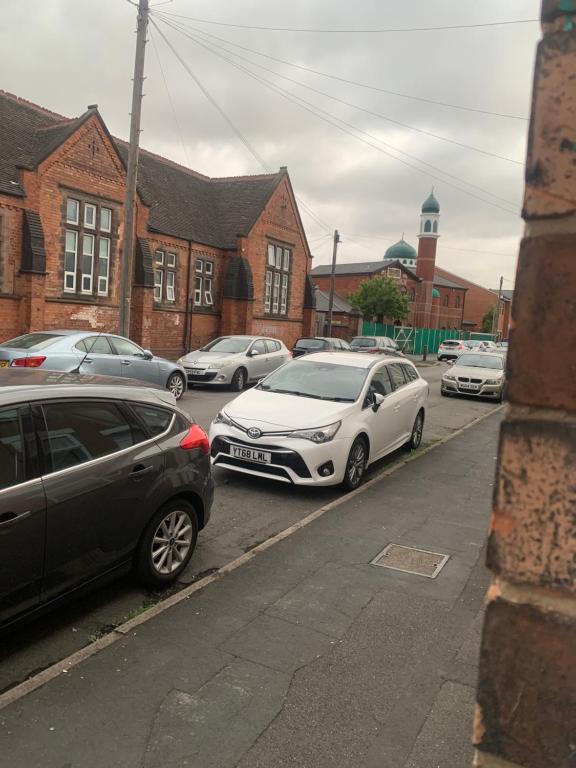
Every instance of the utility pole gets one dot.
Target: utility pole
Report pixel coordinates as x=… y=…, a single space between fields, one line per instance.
x=132 y=176
x=496 y=317
x=332 y=279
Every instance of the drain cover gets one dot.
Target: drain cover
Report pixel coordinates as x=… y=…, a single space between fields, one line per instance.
x=411 y=560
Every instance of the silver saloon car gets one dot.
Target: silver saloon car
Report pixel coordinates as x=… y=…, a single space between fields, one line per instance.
x=93 y=353
x=234 y=361
x=476 y=373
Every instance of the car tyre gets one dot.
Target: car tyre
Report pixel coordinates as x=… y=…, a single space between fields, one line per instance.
x=176 y=385
x=238 y=380
x=167 y=544
x=356 y=465
x=416 y=437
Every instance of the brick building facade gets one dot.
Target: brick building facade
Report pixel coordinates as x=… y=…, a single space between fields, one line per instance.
x=212 y=256
x=438 y=298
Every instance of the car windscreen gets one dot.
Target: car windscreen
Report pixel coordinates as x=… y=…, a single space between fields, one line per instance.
x=322 y=381
x=32 y=341
x=229 y=346
x=363 y=342
x=480 y=360
x=310 y=344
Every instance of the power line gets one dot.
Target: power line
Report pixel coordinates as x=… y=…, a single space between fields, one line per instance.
x=343 y=126
x=368 y=111
x=355 y=82
x=370 y=30
x=444 y=247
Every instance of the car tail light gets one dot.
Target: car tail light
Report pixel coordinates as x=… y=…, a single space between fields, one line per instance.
x=28 y=362
x=196 y=438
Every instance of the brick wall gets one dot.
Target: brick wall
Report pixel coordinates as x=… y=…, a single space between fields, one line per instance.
x=526 y=714
x=478 y=299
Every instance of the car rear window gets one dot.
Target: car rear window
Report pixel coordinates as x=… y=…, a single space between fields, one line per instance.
x=273 y=346
x=363 y=342
x=155 y=419
x=409 y=372
x=32 y=341
x=397 y=375
x=310 y=344
x=11 y=449
x=450 y=343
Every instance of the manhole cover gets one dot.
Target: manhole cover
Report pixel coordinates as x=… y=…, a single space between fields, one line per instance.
x=411 y=560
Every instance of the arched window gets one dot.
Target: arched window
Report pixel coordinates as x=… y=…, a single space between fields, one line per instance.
x=457 y=302
x=446 y=300
x=428 y=226
x=435 y=227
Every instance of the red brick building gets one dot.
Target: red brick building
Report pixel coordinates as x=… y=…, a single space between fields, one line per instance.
x=438 y=298
x=212 y=256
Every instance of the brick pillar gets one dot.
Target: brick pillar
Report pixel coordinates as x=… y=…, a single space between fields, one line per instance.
x=32 y=288
x=526 y=712
x=425 y=270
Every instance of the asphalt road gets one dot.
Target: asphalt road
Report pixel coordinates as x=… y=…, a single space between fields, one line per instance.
x=247 y=510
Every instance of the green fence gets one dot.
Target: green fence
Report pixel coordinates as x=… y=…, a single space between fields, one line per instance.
x=413 y=340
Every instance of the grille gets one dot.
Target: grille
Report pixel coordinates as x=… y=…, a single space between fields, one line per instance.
x=265 y=469
x=200 y=379
x=280 y=456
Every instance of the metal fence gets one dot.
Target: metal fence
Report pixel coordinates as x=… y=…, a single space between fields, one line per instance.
x=413 y=340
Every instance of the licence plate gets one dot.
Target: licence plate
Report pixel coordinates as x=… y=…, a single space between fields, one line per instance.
x=250 y=454
x=471 y=387
x=4 y=363
x=197 y=371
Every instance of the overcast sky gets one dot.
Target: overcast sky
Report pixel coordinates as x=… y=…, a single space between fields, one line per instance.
x=66 y=54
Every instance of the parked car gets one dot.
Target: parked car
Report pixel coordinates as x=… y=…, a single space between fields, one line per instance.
x=97 y=475
x=91 y=353
x=375 y=345
x=234 y=361
x=322 y=419
x=451 y=349
x=476 y=373
x=319 y=344
x=502 y=345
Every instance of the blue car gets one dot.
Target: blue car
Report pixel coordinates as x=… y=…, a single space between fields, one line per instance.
x=95 y=353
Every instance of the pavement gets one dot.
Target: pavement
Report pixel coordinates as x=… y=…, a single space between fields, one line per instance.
x=306 y=655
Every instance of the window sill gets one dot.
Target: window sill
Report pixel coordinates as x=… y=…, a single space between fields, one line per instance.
x=200 y=310
x=165 y=307
x=72 y=298
x=12 y=296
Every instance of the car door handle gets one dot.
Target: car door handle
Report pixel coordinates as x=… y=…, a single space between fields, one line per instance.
x=126 y=362
x=11 y=518
x=140 y=471
x=397 y=408
x=87 y=360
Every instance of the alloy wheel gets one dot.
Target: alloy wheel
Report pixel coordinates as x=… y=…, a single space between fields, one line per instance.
x=417 y=431
x=171 y=542
x=356 y=464
x=176 y=385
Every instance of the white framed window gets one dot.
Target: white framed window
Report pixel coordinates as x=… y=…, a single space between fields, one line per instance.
x=284 y=295
x=208 y=299
x=276 y=293
x=268 y=292
x=159 y=257
x=209 y=268
x=199 y=266
x=286 y=262
x=72 y=211
x=87 y=263
x=278 y=263
x=198 y=291
x=170 y=259
x=170 y=286
x=89 y=216
x=70 y=260
x=158 y=283
x=105 y=219
x=271 y=255
x=394 y=273
x=103 y=265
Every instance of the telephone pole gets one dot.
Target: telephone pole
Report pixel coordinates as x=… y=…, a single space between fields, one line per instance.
x=496 y=316
x=132 y=174
x=332 y=278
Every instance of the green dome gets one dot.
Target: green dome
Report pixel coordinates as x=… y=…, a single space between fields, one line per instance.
x=435 y=293
x=401 y=250
x=431 y=205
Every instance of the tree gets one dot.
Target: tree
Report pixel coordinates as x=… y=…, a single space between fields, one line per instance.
x=380 y=298
x=488 y=320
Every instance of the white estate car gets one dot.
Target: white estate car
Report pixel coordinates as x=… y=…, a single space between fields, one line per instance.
x=476 y=373
x=322 y=419
x=234 y=361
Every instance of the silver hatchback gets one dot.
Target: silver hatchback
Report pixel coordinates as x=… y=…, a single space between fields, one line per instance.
x=92 y=353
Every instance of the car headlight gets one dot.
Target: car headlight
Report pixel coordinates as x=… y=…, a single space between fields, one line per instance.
x=447 y=377
x=492 y=381
x=317 y=435
x=223 y=418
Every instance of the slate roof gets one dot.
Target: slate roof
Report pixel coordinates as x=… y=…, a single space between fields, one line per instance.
x=507 y=295
x=444 y=283
x=323 y=301
x=183 y=203
x=360 y=268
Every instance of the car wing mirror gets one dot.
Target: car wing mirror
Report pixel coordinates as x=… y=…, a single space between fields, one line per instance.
x=253 y=353
x=147 y=355
x=377 y=401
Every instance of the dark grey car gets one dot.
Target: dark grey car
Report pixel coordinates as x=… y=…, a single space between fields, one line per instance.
x=91 y=352
x=97 y=475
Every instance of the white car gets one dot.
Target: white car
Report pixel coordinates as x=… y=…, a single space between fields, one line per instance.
x=451 y=349
x=322 y=419
x=476 y=373
x=234 y=361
